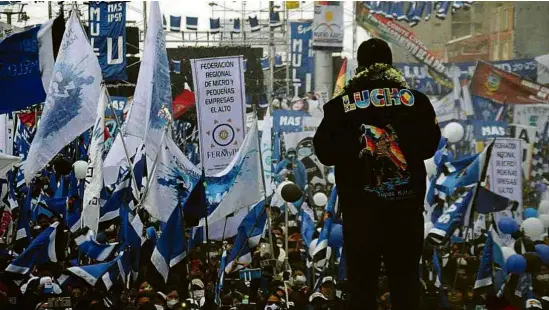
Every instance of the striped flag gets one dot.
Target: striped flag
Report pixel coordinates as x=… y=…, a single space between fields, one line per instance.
x=41 y=250
x=249 y=234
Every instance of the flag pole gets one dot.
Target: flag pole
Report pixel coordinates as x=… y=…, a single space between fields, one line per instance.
x=118 y=125
x=153 y=170
x=203 y=201
x=474 y=199
x=267 y=202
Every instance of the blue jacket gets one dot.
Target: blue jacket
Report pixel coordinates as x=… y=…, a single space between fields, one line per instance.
x=300 y=173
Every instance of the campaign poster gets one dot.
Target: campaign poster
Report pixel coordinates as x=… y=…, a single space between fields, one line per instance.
x=107 y=31
x=302 y=61
x=505 y=169
x=220 y=100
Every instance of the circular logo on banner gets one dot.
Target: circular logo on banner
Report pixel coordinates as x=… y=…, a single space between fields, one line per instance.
x=223 y=134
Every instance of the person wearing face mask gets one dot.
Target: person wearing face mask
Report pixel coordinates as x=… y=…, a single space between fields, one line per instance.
x=292 y=169
x=197 y=292
x=172 y=298
x=300 y=291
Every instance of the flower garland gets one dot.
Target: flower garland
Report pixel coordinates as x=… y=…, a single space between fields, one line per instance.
x=378 y=71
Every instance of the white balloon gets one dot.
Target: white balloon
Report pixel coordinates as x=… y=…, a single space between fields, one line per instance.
x=533 y=227
x=453 y=132
x=320 y=199
x=543 y=207
x=331 y=178
x=280 y=186
x=430 y=166
x=427 y=228
x=80 y=169
x=545 y=219
x=507 y=252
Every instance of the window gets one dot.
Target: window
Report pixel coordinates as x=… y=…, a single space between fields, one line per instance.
x=495 y=52
x=505 y=51
x=505 y=20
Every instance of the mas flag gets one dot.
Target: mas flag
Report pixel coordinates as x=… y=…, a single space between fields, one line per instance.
x=504 y=87
x=94 y=175
x=72 y=98
x=457 y=214
x=107 y=22
x=20 y=75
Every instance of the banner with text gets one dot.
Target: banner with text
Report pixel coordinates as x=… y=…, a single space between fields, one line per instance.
x=533 y=115
x=107 y=24
x=487 y=130
x=527 y=135
x=504 y=87
x=120 y=106
x=294 y=121
x=302 y=65
x=328 y=27
x=220 y=100
x=389 y=30
x=418 y=77
x=505 y=169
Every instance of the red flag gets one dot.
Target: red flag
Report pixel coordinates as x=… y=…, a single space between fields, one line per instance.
x=182 y=103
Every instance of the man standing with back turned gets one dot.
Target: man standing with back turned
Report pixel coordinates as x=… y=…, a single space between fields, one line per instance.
x=377 y=133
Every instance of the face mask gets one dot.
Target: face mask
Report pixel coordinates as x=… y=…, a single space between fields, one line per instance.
x=158 y=307
x=279 y=245
x=198 y=294
x=172 y=303
x=319 y=214
x=284 y=230
x=542 y=277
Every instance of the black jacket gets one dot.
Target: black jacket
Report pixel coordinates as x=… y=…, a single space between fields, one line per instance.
x=377 y=135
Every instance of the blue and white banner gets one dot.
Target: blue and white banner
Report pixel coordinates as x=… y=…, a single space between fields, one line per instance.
x=119 y=110
x=418 y=77
x=107 y=21
x=72 y=98
x=302 y=61
x=237 y=186
x=487 y=130
x=294 y=121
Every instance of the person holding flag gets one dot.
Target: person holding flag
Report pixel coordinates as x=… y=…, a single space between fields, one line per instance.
x=377 y=133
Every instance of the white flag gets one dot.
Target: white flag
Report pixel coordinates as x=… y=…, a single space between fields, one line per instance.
x=71 y=101
x=94 y=176
x=266 y=152
x=172 y=182
x=240 y=181
x=146 y=121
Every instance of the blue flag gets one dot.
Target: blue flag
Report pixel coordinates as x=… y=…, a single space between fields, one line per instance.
x=89 y=246
x=465 y=174
x=21 y=84
x=41 y=250
x=457 y=214
x=249 y=234
x=171 y=247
